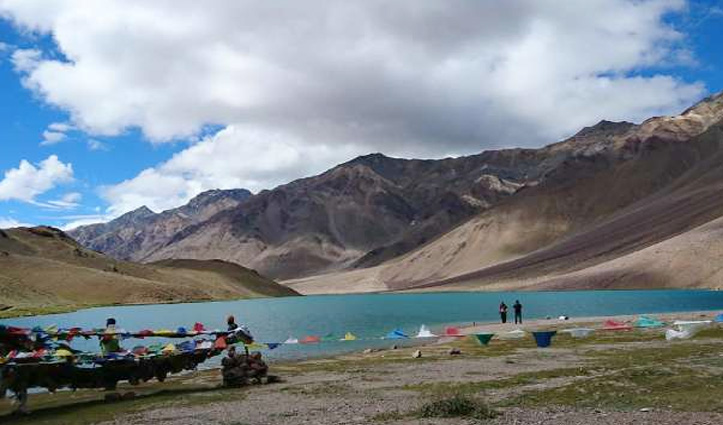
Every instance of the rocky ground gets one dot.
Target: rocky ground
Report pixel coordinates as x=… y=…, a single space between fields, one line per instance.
x=633 y=377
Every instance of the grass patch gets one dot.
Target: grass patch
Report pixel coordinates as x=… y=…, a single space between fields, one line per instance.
x=671 y=377
x=522 y=379
x=457 y=406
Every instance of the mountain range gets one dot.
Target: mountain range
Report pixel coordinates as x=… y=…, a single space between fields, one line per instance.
x=617 y=205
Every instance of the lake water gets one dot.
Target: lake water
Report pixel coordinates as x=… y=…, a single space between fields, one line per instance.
x=370 y=316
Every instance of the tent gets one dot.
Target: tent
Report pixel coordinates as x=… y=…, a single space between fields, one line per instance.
x=396 y=334
x=349 y=337
x=516 y=334
x=719 y=318
x=612 y=325
x=648 y=322
x=578 y=332
x=424 y=332
x=544 y=338
x=291 y=340
x=329 y=337
x=685 y=329
x=311 y=339
x=483 y=339
x=452 y=331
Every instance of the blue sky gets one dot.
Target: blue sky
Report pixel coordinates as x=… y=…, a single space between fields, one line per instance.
x=152 y=107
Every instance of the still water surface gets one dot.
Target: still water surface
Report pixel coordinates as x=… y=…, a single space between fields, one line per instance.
x=370 y=316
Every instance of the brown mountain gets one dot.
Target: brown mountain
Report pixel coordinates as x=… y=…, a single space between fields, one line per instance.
x=43 y=269
x=134 y=234
x=358 y=214
x=506 y=218
x=640 y=209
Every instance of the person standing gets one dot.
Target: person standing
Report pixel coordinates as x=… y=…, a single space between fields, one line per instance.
x=109 y=341
x=503 y=312
x=518 y=311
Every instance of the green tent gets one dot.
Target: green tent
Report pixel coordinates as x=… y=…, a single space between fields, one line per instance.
x=648 y=322
x=483 y=339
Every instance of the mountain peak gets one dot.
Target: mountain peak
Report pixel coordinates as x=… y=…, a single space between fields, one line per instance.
x=604 y=128
x=204 y=197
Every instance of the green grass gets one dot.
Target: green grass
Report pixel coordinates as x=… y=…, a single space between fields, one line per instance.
x=89 y=406
x=457 y=406
x=661 y=377
x=522 y=379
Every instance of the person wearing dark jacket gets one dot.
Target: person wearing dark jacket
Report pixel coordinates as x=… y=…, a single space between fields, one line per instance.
x=503 y=312
x=518 y=311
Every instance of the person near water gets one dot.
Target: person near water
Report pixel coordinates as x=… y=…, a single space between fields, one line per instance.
x=503 y=312
x=234 y=368
x=231 y=321
x=518 y=311
x=109 y=342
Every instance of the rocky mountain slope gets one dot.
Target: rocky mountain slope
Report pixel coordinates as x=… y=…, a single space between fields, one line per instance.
x=509 y=218
x=132 y=235
x=639 y=209
x=357 y=215
x=43 y=269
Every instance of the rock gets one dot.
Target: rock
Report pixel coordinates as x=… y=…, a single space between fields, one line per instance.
x=394 y=347
x=509 y=361
x=454 y=351
x=112 y=397
x=646 y=409
x=368 y=351
x=417 y=354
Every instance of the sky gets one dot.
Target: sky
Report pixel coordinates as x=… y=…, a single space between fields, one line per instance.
x=109 y=105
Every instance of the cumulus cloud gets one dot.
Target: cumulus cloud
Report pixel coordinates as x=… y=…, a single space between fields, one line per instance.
x=406 y=77
x=237 y=156
x=52 y=137
x=96 y=145
x=28 y=181
x=8 y=222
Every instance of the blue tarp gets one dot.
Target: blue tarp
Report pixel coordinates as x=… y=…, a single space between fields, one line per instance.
x=719 y=318
x=396 y=334
x=543 y=339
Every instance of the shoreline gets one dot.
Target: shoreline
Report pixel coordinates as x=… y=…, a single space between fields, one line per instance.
x=513 y=376
x=7 y=313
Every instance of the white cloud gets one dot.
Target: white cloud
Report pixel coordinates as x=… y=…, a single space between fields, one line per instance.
x=8 y=222
x=61 y=127
x=439 y=71
x=235 y=157
x=28 y=181
x=96 y=145
x=83 y=220
x=52 y=137
x=69 y=201
x=26 y=60
x=406 y=77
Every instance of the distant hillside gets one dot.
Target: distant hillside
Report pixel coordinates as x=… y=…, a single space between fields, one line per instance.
x=614 y=206
x=639 y=210
x=43 y=269
x=358 y=214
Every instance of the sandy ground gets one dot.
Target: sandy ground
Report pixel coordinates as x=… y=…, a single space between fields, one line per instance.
x=368 y=392
x=387 y=386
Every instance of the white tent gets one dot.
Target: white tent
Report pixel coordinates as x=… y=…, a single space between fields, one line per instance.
x=424 y=332
x=683 y=329
x=578 y=332
x=516 y=334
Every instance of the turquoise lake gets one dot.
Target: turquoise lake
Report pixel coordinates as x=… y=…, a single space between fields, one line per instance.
x=370 y=316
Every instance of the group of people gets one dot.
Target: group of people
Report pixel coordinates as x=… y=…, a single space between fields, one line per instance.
x=517 y=307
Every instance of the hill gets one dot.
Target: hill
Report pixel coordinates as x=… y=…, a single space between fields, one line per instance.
x=641 y=210
x=43 y=269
